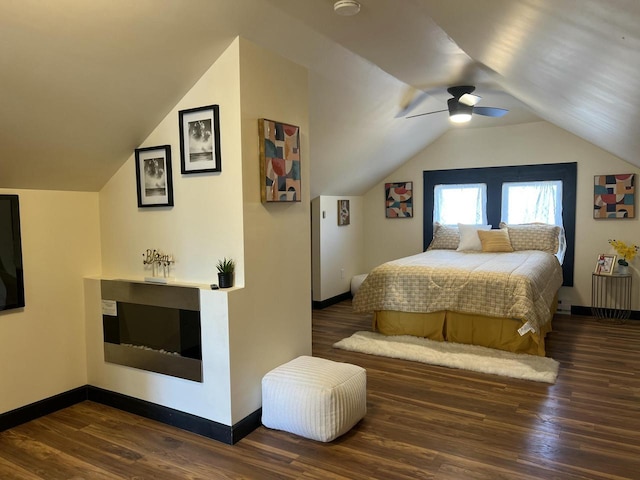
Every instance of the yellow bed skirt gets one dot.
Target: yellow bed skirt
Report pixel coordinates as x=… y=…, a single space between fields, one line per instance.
x=492 y=332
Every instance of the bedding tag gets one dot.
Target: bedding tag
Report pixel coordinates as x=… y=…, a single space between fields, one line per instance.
x=526 y=328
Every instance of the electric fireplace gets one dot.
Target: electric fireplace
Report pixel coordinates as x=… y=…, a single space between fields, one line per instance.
x=152 y=327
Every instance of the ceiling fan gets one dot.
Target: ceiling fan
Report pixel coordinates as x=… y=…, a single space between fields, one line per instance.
x=462 y=105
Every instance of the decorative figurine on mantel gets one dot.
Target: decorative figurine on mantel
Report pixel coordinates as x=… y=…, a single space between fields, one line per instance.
x=160 y=266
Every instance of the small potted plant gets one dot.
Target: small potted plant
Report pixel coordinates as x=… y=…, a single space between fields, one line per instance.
x=626 y=254
x=226 y=268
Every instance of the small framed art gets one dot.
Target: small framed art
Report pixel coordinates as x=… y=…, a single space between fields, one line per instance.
x=344 y=214
x=614 y=196
x=280 y=178
x=398 y=199
x=200 y=140
x=605 y=264
x=153 y=176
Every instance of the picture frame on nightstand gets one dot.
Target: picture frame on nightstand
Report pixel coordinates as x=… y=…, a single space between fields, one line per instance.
x=605 y=264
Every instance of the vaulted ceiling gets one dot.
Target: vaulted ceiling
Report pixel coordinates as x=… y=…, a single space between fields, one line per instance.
x=83 y=83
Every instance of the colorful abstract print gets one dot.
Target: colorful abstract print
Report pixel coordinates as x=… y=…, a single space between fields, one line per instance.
x=281 y=162
x=614 y=196
x=399 y=199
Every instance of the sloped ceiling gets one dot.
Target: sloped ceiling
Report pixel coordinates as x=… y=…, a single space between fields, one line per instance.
x=83 y=83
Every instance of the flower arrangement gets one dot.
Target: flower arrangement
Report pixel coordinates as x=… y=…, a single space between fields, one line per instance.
x=626 y=252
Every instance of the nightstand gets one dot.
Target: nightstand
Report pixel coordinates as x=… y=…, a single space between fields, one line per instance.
x=611 y=297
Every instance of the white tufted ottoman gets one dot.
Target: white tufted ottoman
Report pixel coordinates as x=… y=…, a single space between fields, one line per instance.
x=314 y=398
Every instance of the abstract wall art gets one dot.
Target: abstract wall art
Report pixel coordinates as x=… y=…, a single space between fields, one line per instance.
x=614 y=196
x=279 y=162
x=399 y=199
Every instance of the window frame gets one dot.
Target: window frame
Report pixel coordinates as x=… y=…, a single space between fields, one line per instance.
x=494 y=177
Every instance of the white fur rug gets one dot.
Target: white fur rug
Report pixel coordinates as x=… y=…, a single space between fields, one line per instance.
x=454 y=355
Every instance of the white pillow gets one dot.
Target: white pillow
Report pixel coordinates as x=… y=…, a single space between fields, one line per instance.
x=469 y=239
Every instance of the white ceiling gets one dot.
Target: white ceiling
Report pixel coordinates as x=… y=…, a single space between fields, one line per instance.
x=83 y=83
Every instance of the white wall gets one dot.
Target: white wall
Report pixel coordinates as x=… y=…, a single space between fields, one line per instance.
x=337 y=250
x=206 y=221
x=525 y=144
x=42 y=349
x=270 y=318
x=265 y=319
x=204 y=225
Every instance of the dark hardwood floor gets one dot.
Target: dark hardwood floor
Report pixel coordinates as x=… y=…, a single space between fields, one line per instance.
x=422 y=422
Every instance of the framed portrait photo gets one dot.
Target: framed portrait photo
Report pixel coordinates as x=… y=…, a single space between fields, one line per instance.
x=605 y=264
x=153 y=176
x=200 y=140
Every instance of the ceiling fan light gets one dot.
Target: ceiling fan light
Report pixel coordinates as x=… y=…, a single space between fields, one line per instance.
x=459 y=112
x=460 y=117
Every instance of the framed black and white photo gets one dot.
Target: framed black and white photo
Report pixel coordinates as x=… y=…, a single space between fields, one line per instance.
x=200 y=140
x=153 y=176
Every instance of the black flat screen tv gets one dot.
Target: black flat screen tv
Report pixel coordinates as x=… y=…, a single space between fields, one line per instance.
x=11 y=273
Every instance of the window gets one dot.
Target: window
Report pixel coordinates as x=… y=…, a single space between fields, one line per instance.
x=453 y=204
x=527 y=202
x=524 y=186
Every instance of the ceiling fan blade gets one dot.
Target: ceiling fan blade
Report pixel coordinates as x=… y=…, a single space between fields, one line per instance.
x=427 y=113
x=490 y=111
x=469 y=99
x=413 y=103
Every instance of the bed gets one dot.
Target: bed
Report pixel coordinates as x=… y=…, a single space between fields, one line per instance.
x=499 y=293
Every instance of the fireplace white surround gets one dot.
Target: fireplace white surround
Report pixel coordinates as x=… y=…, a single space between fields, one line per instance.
x=209 y=399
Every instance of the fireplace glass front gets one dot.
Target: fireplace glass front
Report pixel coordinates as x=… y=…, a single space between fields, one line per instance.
x=162 y=338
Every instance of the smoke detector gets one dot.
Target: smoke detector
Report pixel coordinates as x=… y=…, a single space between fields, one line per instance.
x=346 y=8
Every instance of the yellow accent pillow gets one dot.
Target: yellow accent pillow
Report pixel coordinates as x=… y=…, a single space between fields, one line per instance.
x=495 y=240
